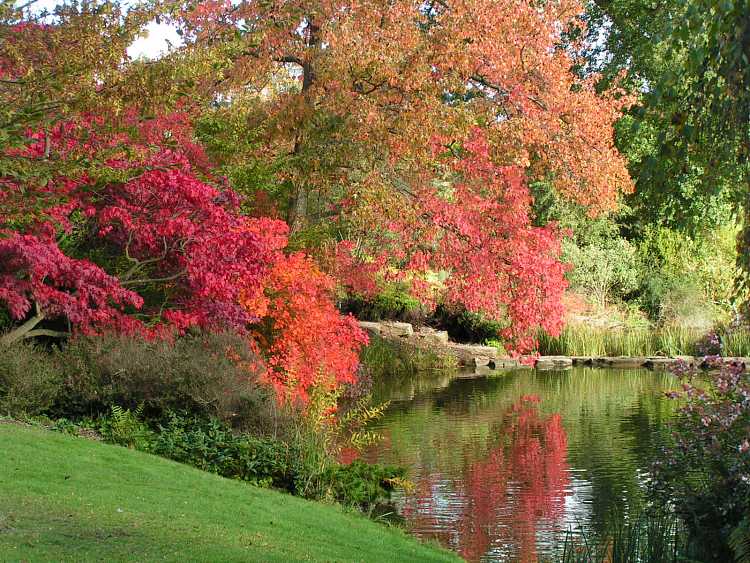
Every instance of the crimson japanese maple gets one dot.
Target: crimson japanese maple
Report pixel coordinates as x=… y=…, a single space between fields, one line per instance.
x=36 y=277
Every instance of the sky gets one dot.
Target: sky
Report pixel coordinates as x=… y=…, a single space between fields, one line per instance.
x=154 y=42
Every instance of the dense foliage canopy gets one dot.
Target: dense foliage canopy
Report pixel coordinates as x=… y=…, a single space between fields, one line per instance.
x=287 y=151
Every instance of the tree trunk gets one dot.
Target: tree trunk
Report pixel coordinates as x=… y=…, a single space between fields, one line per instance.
x=21 y=332
x=299 y=212
x=742 y=280
x=298 y=207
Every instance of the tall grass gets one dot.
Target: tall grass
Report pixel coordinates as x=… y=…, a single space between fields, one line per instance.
x=736 y=343
x=643 y=539
x=577 y=340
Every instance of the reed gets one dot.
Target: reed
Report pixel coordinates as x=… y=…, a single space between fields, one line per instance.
x=386 y=358
x=736 y=343
x=578 y=340
x=645 y=538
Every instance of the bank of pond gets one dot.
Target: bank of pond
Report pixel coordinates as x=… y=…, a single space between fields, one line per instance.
x=496 y=465
x=71 y=499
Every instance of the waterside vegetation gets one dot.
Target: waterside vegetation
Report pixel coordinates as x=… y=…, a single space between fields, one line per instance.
x=187 y=235
x=579 y=340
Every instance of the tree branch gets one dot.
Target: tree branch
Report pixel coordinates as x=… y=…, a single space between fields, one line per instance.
x=154 y=280
x=481 y=80
x=46 y=332
x=139 y=264
x=21 y=332
x=290 y=59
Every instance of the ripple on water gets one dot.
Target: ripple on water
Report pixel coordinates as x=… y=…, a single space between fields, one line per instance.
x=503 y=466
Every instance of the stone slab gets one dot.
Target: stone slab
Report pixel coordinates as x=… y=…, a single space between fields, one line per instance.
x=397 y=330
x=658 y=362
x=432 y=336
x=553 y=362
x=627 y=361
x=372 y=328
x=582 y=360
x=509 y=363
x=466 y=353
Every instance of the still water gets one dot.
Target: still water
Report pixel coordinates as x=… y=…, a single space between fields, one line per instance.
x=504 y=465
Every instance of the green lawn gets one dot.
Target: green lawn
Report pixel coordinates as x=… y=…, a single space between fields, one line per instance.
x=64 y=498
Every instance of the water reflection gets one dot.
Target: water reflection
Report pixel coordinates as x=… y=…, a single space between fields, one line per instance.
x=504 y=465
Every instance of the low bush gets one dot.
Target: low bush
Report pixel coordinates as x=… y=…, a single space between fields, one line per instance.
x=212 y=446
x=198 y=400
x=30 y=380
x=392 y=304
x=206 y=374
x=686 y=280
x=604 y=270
x=465 y=326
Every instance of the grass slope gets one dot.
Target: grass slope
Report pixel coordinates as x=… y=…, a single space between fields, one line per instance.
x=64 y=498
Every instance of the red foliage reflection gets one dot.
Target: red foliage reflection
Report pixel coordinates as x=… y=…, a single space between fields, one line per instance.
x=497 y=502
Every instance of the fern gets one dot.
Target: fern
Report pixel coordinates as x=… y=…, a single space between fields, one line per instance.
x=739 y=541
x=125 y=428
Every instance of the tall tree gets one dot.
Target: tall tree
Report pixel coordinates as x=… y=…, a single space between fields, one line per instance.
x=409 y=133
x=689 y=137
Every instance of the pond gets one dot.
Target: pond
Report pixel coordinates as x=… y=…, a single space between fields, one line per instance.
x=504 y=465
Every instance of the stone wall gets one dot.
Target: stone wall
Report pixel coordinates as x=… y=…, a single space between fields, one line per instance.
x=486 y=358
x=467 y=355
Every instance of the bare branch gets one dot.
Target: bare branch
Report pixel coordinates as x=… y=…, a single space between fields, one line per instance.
x=155 y=280
x=290 y=59
x=46 y=332
x=21 y=332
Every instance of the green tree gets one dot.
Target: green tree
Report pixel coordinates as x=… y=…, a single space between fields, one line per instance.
x=688 y=139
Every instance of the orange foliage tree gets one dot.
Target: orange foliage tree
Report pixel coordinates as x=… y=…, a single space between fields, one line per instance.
x=374 y=112
x=308 y=342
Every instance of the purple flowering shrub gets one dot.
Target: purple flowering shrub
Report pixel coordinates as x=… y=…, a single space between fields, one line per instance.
x=704 y=466
x=709 y=345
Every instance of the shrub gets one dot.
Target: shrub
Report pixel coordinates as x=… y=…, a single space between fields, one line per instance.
x=465 y=326
x=686 y=280
x=361 y=484
x=30 y=380
x=704 y=468
x=206 y=374
x=307 y=341
x=394 y=303
x=603 y=270
x=212 y=446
